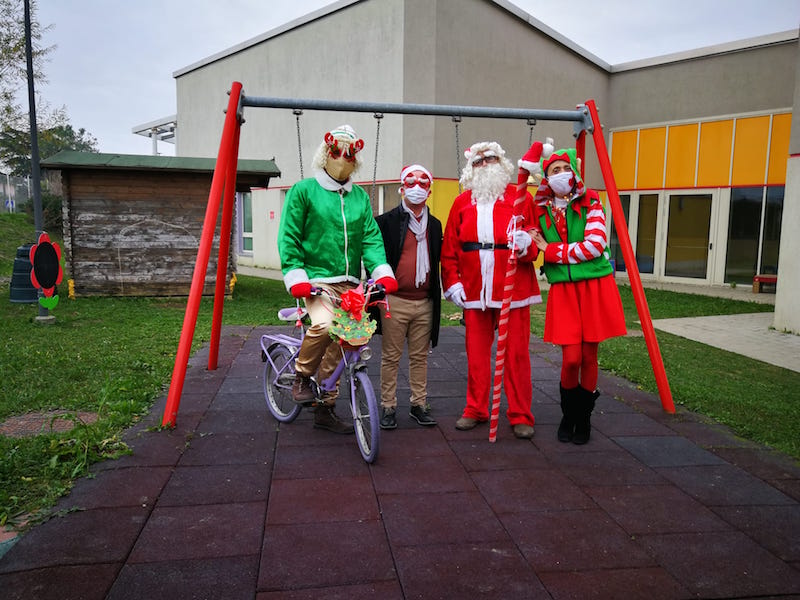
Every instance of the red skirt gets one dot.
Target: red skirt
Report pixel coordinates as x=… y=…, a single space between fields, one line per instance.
x=584 y=311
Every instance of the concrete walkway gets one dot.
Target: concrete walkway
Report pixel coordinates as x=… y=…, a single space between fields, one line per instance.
x=231 y=505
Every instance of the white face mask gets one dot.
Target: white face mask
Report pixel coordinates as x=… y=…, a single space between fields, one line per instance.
x=561 y=183
x=416 y=194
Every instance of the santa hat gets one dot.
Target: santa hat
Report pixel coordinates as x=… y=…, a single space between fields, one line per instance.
x=344 y=138
x=538 y=151
x=411 y=168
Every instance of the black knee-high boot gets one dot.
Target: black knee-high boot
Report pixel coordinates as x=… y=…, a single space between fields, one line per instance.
x=585 y=405
x=569 y=404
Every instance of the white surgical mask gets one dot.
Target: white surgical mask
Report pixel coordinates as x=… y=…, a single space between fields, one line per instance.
x=416 y=194
x=561 y=183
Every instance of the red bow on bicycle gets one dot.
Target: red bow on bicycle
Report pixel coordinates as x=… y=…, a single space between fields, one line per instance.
x=353 y=302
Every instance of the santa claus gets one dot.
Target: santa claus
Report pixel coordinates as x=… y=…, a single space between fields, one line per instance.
x=484 y=225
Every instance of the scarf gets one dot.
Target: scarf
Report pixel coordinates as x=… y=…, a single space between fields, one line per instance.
x=420 y=230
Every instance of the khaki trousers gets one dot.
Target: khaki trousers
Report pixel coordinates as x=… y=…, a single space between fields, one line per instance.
x=410 y=320
x=319 y=352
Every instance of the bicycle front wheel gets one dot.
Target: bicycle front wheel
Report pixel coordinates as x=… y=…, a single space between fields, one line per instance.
x=365 y=416
x=278 y=379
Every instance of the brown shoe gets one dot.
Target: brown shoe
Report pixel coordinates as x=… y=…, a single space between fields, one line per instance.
x=301 y=389
x=326 y=418
x=523 y=431
x=466 y=423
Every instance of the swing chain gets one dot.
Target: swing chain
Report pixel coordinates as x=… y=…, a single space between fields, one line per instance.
x=378 y=117
x=456 y=121
x=531 y=123
x=297 y=112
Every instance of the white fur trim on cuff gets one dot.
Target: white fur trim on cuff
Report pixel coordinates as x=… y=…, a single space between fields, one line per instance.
x=294 y=277
x=383 y=270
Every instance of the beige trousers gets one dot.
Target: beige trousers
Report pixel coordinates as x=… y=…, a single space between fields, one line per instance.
x=411 y=320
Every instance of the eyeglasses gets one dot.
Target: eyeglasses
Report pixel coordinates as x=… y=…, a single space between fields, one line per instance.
x=423 y=181
x=485 y=160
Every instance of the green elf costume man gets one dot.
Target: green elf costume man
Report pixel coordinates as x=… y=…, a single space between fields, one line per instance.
x=327 y=230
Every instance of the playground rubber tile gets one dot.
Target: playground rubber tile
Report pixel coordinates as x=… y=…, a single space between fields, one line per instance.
x=563 y=540
x=422 y=519
x=294 y=501
x=247 y=369
x=546 y=439
x=316 y=555
x=477 y=455
x=383 y=590
x=647 y=509
x=250 y=400
x=250 y=385
x=195 y=402
x=237 y=421
x=724 y=485
x=228 y=449
x=305 y=462
x=104 y=535
x=626 y=424
x=667 y=451
x=204 y=531
x=722 y=565
x=790 y=487
x=765 y=464
x=413 y=441
x=301 y=432
x=604 y=468
x=135 y=486
x=216 y=485
x=530 y=490
x=440 y=473
x=776 y=528
x=544 y=412
x=493 y=570
x=200 y=380
x=228 y=578
x=149 y=449
x=631 y=584
x=440 y=389
x=80 y=582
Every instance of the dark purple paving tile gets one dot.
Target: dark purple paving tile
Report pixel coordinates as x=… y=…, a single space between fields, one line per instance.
x=722 y=565
x=760 y=462
x=306 y=462
x=301 y=432
x=238 y=421
x=709 y=435
x=231 y=578
x=249 y=386
x=530 y=490
x=316 y=555
x=667 y=451
x=628 y=584
x=135 y=486
x=104 y=535
x=240 y=400
x=413 y=441
x=383 y=590
x=83 y=582
x=495 y=570
x=546 y=440
x=229 y=449
x=294 y=501
x=149 y=449
x=459 y=517
x=561 y=540
x=477 y=455
x=790 y=487
x=438 y=473
x=625 y=424
x=604 y=468
x=193 y=402
x=777 y=528
x=205 y=531
x=445 y=389
x=545 y=413
x=216 y=485
x=641 y=509
x=724 y=485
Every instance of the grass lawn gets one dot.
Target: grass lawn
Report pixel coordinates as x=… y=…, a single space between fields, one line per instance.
x=114 y=357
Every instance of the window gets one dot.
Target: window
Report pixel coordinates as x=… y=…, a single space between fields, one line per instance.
x=245 y=202
x=743 y=228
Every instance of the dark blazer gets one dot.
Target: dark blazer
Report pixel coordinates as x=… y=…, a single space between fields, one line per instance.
x=394 y=225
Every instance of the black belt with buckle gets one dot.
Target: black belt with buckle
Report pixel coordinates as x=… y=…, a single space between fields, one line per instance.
x=470 y=246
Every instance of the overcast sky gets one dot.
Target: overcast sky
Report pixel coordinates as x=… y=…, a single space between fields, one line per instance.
x=113 y=64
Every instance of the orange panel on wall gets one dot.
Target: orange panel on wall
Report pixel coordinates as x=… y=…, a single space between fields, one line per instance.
x=623 y=158
x=716 y=140
x=651 y=158
x=750 y=151
x=681 y=156
x=779 y=149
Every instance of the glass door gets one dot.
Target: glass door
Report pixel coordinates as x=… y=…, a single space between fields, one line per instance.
x=687 y=251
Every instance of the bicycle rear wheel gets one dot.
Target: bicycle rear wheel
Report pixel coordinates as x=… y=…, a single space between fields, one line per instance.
x=278 y=379
x=366 y=418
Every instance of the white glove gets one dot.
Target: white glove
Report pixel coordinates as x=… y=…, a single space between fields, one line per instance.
x=456 y=295
x=522 y=240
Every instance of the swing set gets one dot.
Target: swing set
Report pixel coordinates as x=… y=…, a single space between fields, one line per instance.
x=585 y=119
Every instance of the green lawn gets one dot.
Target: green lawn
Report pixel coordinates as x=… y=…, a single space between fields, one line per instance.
x=114 y=356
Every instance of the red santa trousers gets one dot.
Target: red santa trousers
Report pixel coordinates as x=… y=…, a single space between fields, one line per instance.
x=480 y=334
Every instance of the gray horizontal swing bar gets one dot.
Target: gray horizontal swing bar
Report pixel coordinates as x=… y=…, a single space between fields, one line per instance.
x=580 y=115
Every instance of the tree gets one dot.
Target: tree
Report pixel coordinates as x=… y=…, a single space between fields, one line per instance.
x=15 y=144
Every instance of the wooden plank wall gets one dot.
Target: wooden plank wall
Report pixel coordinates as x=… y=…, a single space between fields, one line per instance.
x=132 y=233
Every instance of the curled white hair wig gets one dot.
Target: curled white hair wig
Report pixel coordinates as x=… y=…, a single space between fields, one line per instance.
x=346 y=135
x=486 y=148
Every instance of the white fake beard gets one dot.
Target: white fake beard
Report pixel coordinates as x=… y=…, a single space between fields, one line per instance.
x=488 y=183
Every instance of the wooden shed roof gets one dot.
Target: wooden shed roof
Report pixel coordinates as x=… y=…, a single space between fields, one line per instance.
x=250 y=173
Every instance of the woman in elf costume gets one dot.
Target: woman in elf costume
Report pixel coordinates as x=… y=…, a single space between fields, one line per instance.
x=583 y=305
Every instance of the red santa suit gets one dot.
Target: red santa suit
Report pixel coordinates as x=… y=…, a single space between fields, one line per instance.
x=475 y=254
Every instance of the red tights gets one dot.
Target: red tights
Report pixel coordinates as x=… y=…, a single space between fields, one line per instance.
x=579 y=365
